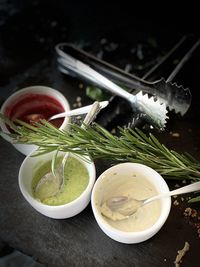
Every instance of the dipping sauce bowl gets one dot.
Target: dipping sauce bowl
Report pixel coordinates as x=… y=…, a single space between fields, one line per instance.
x=32 y=104
x=30 y=167
x=138 y=181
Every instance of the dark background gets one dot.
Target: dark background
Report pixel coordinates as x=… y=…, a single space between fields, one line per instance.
x=29 y=30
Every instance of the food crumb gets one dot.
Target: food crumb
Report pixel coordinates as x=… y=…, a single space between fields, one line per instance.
x=53 y=24
x=198 y=232
x=103 y=41
x=190 y=212
x=75 y=105
x=175 y=134
x=113 y=131
x=100 y=54
x=128 y=68
x=78 y=99
x=77 y=102
x=193 y=218
x=80 y=85
x=181 y=254
x=176 y=203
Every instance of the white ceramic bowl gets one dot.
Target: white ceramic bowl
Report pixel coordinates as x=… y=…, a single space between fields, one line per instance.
x=26 y=174
x=25 y=148
x=102 y=184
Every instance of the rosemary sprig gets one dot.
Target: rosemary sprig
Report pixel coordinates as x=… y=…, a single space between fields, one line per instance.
x=131 y=145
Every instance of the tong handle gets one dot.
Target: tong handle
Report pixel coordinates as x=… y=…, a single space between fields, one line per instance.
x=183 y=61
x=86 y=71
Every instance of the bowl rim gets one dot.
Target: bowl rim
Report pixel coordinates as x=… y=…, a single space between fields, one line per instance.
x=90 y=166
x=164 y=213
x=39 y=89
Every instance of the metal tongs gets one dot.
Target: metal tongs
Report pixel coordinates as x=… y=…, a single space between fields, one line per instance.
x=148 y=98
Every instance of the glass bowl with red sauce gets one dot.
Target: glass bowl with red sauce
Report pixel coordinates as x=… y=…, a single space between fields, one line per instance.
x=31 y=104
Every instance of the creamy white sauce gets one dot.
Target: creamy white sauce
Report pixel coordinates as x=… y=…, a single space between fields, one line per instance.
x=134 y=186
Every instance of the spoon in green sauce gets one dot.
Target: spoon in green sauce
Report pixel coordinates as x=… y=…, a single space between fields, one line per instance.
x=52 y=182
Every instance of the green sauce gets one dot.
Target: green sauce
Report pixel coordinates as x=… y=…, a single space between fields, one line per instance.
x=76 y=179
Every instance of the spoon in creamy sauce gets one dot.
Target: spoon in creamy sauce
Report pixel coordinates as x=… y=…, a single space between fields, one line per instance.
x=122 y=207
x=53 y=181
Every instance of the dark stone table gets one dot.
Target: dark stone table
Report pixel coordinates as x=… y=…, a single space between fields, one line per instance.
x=29 y=31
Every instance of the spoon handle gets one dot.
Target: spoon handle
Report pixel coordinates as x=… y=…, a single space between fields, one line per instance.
x=185 y=189
x=78 y=111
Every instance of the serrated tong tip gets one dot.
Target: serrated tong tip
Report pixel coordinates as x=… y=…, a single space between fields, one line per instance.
x=155 y=112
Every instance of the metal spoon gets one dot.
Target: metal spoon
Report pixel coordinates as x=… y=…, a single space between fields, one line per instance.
x=77 y=111
x=36 y=117
x=122 y=207
x=51 y=183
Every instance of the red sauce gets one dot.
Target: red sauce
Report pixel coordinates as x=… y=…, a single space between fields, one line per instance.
x=33 y=107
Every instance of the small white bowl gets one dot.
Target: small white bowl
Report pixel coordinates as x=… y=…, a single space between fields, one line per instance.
x=42 y=90
x=115 y=176
x=26 y=173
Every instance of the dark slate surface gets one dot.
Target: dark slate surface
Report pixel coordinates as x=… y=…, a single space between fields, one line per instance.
x=28 y=32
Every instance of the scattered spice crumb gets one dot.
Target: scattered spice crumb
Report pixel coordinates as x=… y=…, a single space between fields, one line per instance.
x=190 y=212
x=193 y=218
x=41 y=40
x=177 y=185
x=54 y=24
x=103 y=41
x=128 y=68
x=198 y=227
x=113 y=131
x=111 y=47
x=181 y=254
x=182 y=199
x=175 y=134
x=175 y=196
x=176 y=203
x=100 y=54
x=187 y=212
x=78 y=99
x=78 y=102
x=75 y=105
x=198 y=232
x=80 y=85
